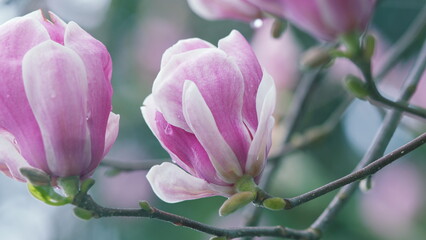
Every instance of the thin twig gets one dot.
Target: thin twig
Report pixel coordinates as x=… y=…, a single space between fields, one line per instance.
x=85 y=201
x=376 y=96
x=360 y=174
x=379 y=145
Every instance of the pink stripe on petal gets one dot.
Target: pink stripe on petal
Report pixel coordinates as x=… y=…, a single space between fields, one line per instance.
x=98 y=67
x=17 y=36
x=202 y=123
x=149 y=113
x=221 y=84
x=171 y=184
x=240 y=51
x=10 y=158
x=186 y=149
x=56 y=86
x=259 y=148
x=182 y=146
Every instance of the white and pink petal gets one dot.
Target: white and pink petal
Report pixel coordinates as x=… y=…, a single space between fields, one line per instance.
x=241 y=53
x=10 y=158
x=265 y=105
x=98 y=68
x=56 y=86
x=202 y=123
x=171 y=184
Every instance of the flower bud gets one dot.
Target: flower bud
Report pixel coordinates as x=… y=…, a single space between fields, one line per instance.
x=325 y=19
x=235 y=202
x=145 y=206
x=211 y=109
x=356 y=86
x=83 y=213
x=274 y=203
x=56 y=98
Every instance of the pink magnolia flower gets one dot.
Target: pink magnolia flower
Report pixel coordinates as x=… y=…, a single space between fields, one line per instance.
x=325 y=19
x=55 y=98
x=225 y=9
x=211 y=108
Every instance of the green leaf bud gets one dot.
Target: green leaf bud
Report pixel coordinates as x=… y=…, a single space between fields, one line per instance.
x=235 y=202
x=83 y=213
x=356 y=86
x=274 y=203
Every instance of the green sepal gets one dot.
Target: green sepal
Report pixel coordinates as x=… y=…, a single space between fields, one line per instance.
x=35 y=176
x=70 y=185
x=236 y=201
x=48 y=195
x=356 y=86
x=274 y=203
x=352 y=43
x=83 y=213
x=86 y=185
x=246 y=184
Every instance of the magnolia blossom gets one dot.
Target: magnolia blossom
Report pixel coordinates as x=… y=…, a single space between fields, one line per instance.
x=325 y=19
x=55 y=98
x=225 y=9
x=211 y=109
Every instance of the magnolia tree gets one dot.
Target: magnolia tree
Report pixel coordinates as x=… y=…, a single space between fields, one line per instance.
x=228 y=114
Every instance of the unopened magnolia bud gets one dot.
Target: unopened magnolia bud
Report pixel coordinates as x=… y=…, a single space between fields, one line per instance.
x=315 y=57
x=83 y=213
x=278 y=27
x=274 y=203
x=368 y=46
x=35 y=176
x=235 y=202
x=356 y=86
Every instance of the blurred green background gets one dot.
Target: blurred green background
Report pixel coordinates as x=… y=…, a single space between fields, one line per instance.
x=137 y=32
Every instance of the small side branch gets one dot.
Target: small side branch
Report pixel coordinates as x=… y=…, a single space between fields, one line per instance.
x=82 y=200
x=358 y=175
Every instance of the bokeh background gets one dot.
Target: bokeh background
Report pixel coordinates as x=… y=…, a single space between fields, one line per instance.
x=137 y=32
